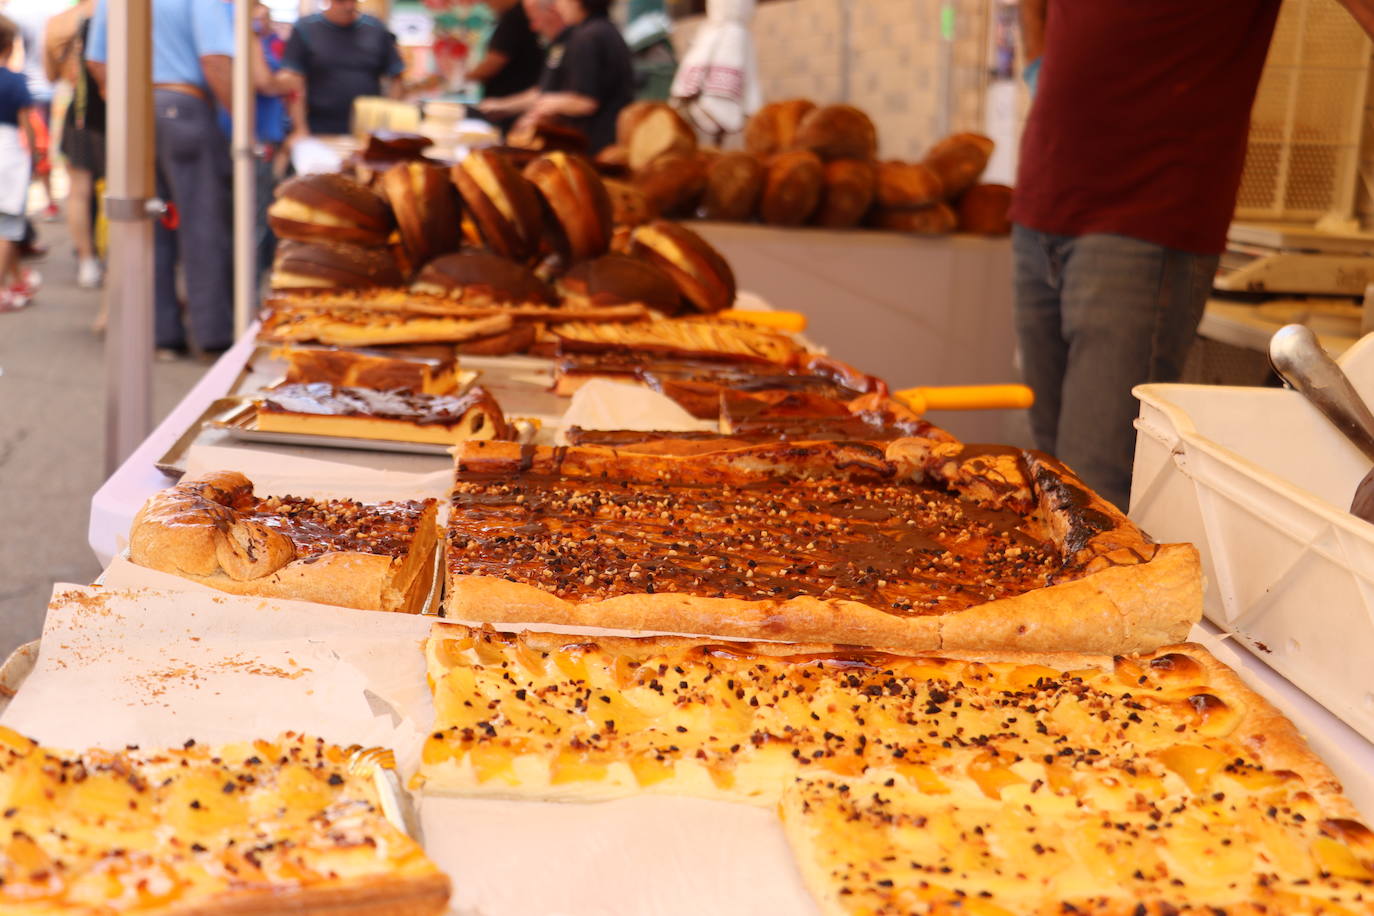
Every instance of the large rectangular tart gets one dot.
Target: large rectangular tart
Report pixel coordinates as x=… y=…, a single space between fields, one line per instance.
x=212 y=529
x=267 y=828
x=919 y=544
x=977 y=783
x=322 y=409
x=423 y=368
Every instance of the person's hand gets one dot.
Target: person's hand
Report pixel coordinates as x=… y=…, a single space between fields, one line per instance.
x=496 y=107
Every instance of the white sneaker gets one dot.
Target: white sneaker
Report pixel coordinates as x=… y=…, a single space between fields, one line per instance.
x=89 y=273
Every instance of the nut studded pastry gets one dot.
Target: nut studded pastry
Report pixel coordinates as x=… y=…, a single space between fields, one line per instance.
x=578 y=210
x=703 y=276
x=331 y=265
x=503 y=204
x=920 y=545
x=979 y=783
x=615 y=279
x=792 y=189
x=211 y=529
x=272 y=828
x=773 y=129
x=838 y=132
x=322 y=409
x=329 y=208
x=480 y=277
x=426 y=208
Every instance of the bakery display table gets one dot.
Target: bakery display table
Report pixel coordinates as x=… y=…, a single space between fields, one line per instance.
x=914 y=310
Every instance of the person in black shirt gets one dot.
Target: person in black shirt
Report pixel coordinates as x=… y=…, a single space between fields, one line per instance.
x=334 y=57
x=514 y=59
x=588 y=76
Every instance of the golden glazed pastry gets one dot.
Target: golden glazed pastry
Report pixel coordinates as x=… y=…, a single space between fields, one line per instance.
x=480 y=277
x=978 y=783
x=504 y=206
x=425 y=368
x=329 y=208
x=426 y=209
x=272 y=828
x=701 y=274
x=615 y=279
x=331 y=265
x=213 y=530
x=578 y=210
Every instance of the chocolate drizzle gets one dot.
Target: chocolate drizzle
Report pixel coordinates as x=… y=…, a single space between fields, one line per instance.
x=904 y=548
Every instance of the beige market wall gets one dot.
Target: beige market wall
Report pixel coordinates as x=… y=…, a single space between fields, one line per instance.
x=892 y=64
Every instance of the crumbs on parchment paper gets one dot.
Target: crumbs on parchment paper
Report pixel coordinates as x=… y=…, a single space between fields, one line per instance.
x=179 y=671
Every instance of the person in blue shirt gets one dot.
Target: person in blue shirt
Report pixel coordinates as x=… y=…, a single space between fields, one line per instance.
x=193 y=47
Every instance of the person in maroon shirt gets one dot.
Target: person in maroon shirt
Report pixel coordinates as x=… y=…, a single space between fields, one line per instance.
x=1130 y=164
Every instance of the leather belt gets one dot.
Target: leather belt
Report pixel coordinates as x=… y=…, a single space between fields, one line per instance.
x=185 y=89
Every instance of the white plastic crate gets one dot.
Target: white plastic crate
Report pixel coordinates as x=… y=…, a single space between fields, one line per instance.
x=1261 y=483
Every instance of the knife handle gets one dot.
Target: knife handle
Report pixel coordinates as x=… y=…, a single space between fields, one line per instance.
x=966 y=397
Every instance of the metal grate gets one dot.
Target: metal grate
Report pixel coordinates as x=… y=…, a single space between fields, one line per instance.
x=1308 y=115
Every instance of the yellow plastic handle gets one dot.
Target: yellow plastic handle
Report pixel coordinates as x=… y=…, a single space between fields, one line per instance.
x=777 y=321
x=966 y=397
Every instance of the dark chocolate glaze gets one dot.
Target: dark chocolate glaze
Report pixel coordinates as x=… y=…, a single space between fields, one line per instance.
x=323 y=399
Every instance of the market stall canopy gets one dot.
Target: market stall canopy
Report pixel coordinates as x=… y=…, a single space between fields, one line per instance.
x=717 y=84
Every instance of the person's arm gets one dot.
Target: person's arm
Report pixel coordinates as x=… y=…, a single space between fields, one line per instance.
x=1363 y=13
x=291 y=79
x=1032 y=15
x=492 y=63
x=60 y=41
x=218 y=70
x=510 y=104
x=393 y=76
x=564 y=104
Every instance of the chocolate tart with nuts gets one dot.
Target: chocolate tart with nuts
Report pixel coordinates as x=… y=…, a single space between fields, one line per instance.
x=424 y=368
x=921 y=544
x=213 y=530
x=959 y=782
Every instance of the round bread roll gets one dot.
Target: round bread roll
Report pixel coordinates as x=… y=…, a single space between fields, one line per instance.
x=481 y=277
x=958 y=160
x=660 y=131
x=773 y=129
x=577 y=219
x=850 y=185
x=673 y=184
x=614 y=159
x=907 y=184
x=838 y=132
x=629 y=118
x=792 y=188
x=332 y=265
x=330 y=208
x=426 y=208
x=503 y=206
x=983 y=209
x=616 y=279
x=697 y=269
x=734 y=182
x=935 y=219
x=629 y=205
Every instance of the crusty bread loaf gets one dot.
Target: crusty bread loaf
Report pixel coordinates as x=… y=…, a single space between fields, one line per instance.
x=701 y=274
x=577 y=218
x=659 y=132
x=773 y=129
x=629 y=205
x=617 y=279
x=838 y=132
x=792 y=188
x=936 y=219
x=673 y=183
x=503 y=206
x=630 y=116
x=907 y=184
x=330 y=208
x=327 y=265
x=481 y=276
x=958 y=160
x=733 y=185
x=983 y=209
x=850 y=185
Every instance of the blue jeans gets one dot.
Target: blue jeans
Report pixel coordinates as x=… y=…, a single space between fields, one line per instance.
x=1097 y=315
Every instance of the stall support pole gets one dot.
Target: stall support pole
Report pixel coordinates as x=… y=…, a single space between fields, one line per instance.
x=245 y=171
x=130 y=203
